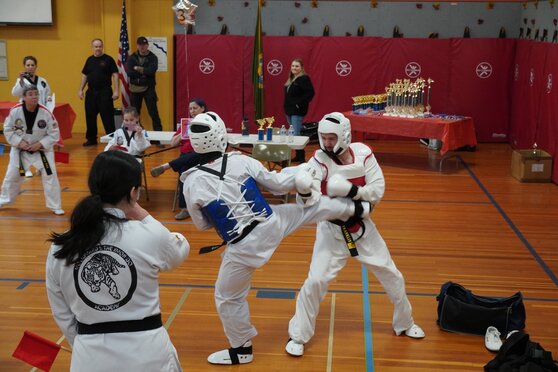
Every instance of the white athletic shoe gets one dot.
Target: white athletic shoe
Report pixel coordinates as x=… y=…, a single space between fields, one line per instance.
x=492 y=339
x=237 y=355
x=414 y=332
x=58 y=212
x=294 y=348
x=28 y=174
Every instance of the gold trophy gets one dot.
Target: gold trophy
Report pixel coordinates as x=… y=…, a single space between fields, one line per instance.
x=429 y=82
x=261 y=129
x=269 y=133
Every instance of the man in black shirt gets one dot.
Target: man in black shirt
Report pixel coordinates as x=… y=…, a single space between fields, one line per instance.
x=141 y=68
x=98 y=73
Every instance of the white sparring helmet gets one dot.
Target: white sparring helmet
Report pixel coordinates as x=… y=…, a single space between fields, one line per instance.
x=208 y=133
x=336 y=123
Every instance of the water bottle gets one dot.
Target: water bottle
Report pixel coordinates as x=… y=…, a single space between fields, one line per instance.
x=290 y=134
x=283 y=134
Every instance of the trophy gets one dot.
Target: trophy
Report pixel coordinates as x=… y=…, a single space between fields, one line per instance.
x=429 y=82
x=261 y=129
x=269 y=132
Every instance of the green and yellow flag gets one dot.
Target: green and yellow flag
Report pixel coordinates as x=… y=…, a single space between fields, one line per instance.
x=257 y=67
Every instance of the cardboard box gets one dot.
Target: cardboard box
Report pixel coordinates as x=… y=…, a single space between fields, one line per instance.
x=531 y=165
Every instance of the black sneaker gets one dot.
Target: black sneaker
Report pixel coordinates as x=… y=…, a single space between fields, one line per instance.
x=89 y=143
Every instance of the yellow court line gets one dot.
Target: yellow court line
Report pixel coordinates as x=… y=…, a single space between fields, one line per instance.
x=177 y=307
x=330 y=338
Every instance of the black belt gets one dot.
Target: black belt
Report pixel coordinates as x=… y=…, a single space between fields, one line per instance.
x=247 y=230
x=145 y=324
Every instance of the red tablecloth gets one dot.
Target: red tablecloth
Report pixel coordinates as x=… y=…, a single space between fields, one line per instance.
x=453 y=133
x=63 y=112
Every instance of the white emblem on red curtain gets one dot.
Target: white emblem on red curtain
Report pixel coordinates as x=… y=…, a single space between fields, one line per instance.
x=343 y=68
x=549 y=83
x=531 y=77
x=274 y=67
x=207 y=66
x=413 y=70
x=484 y=70
x=516 y=72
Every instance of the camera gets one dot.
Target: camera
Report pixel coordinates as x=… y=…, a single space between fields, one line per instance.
x=26 y=75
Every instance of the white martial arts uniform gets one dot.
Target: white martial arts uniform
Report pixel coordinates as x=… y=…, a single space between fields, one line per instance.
x=241 y=259
x=42 y=86
x=117 y=281
x=131 y=142
x=330 y=250
x=45 y=130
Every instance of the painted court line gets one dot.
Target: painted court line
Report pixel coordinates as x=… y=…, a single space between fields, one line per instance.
x=368 y=347
x=517 y=232
x=177 y=307
x=330 y=339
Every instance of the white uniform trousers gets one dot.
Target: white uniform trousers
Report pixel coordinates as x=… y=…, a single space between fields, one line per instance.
x=329 y=257
x=155 y=352
x=12 y=181
x=240 y=260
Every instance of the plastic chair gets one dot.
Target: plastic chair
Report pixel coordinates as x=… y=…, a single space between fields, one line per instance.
x=276 y=156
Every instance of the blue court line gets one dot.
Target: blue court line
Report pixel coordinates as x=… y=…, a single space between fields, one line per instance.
x=368 y=350
x=345 y=291
x=23 y=285
x=283 y=295
x=508 y=220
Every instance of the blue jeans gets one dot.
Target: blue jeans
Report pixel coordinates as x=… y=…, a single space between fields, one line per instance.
x=296 y=122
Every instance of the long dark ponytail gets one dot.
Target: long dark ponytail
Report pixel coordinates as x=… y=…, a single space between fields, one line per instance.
x=112 y=177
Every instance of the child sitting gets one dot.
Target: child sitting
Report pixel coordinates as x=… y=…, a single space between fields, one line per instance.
x=131 y=137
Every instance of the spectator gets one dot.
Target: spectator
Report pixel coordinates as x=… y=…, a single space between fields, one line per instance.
x=142 y=66
x=98 y=73
x=131 y=137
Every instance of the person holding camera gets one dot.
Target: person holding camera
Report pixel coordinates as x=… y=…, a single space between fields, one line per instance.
x=142 y=66
x=131 y=137
x=28 y=77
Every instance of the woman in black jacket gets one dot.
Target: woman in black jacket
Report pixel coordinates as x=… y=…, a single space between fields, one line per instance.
x=298 y=94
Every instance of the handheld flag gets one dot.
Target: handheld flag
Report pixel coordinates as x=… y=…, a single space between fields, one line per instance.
x=36 y=350
x=61 y=157
x=257 y=67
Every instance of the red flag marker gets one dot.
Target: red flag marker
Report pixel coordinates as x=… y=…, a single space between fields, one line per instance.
x=37 y=351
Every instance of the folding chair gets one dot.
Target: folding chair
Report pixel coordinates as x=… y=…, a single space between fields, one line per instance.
x=141 y=159
x=276 y=156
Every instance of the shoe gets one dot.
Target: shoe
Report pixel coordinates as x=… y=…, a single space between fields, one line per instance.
x=58 y=212
x=492 y=339
x=294 y=348
x=89 y=143
x=236 y=355
x=182 y=215
x=28 y=174
x=414 y=332
x=157 y=171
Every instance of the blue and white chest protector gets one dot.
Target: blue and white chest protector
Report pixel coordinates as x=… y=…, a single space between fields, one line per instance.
x=230 y=216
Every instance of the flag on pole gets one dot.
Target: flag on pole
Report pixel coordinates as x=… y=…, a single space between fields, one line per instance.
x=37 y=351
x=257 y=67
x=123 y=54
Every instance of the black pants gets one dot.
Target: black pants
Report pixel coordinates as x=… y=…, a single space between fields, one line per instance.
x=98 y=102
x=150 y=96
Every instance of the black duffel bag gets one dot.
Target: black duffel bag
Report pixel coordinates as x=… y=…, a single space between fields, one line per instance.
x=460 y=310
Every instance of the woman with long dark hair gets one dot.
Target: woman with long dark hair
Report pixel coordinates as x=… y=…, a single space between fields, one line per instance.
x=299 y=91
x=102 y=274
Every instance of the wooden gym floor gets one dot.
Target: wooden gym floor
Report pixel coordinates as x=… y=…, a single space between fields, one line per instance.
x=472 y=223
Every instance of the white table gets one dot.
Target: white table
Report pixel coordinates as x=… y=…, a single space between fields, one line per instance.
x=234 y=139
x=163 y=137
x=237 y=139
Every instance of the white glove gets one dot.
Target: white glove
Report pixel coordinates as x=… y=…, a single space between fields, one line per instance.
x=337 y=185
x=304 y=179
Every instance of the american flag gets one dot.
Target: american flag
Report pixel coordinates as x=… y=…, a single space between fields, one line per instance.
x=123 y=54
